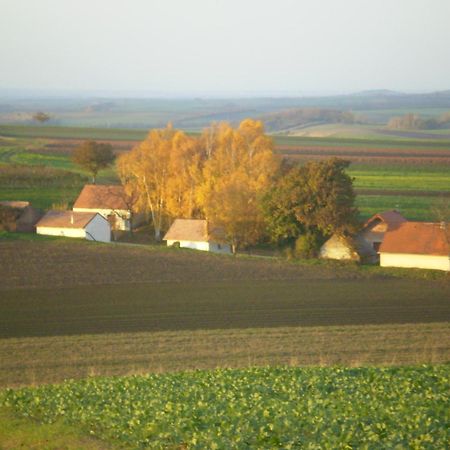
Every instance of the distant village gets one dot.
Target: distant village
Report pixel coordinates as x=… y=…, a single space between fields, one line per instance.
x=387 y=238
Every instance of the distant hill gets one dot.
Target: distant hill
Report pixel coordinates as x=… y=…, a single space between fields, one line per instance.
x=293 y=119
x=378 y=93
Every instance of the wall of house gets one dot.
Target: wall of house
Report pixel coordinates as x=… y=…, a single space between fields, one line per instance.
x=122 y=216
x=336 y=249
x=195 y=245
x=98 y=229
x=415 y=261
x=67 y=232
x=219 y=248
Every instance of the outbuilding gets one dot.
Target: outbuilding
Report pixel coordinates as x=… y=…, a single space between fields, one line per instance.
x=422 y=245
x=19 y=216
x=197 y=234
x=350 y=248
x=112 y=202
x=377 y=226
x=86 y=225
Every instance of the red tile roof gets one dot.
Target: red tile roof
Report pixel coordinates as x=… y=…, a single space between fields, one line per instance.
x=66 y=219
x=418 y=238
x=391 y=218
x=97 y=196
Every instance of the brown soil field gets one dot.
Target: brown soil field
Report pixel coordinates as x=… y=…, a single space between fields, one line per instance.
x=382 y=155
x=65 y=262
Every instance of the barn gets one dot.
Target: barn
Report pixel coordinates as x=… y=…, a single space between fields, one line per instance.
x=417 y=244
x=110 y=201
x=86 y=225
x=197 y=234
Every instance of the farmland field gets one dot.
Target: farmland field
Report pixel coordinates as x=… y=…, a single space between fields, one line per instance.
x=74 y=308
x=275 y=407
x=411 y=175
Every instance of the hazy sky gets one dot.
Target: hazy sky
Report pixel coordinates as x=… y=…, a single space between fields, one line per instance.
x=175 y=46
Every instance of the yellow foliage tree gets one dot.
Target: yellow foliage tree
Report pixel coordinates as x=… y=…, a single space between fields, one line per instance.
x=162 y=171
x=238 y=169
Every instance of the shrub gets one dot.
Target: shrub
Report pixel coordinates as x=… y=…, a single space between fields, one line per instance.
x=307 y=245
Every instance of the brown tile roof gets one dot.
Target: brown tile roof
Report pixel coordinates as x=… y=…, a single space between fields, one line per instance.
x=418 y=238
x=97 y=196
x=66 y=219
x=15 y=204
x=197 y=230
x=391 y=218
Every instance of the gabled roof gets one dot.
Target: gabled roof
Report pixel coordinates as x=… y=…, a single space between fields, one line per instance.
x=66 y=219
x=391 y=218
x=97 y=196
x=418 y=238
x=197 y=230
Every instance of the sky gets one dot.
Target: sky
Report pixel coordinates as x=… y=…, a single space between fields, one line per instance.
x=225 y=46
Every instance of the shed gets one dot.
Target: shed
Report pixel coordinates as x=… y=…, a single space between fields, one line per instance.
x=90 y=226
x=197 y=234
x=112 y=202
x=423 y=245
x=350 y=248
x=22 y=216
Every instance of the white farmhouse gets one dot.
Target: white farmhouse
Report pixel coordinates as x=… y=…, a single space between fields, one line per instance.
x=417 y=244
x=108 y=200
x=198 y=235
x=90 y=226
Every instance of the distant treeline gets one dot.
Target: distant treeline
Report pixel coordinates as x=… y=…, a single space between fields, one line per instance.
x=415 y=122
x=295 y=118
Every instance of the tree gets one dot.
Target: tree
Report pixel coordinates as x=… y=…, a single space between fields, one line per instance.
x=163 y=172
x=239 y=167
x=316 y=198
x=93 y=156
x=41 y=117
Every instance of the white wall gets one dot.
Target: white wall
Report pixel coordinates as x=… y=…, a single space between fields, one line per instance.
x=122 y=216
x=98 y=229
x=336 y=249
x=219 y=248
x=67 y=232
x=415 y=261
x=203 y=246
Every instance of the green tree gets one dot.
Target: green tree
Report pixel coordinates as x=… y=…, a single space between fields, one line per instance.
x=41 y=117
x=93 y=156
x=316 y=198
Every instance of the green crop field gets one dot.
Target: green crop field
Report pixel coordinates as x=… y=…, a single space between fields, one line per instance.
x=274 y=407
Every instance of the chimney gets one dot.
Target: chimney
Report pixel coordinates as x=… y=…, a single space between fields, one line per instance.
x=443 y=225
x=71 y=218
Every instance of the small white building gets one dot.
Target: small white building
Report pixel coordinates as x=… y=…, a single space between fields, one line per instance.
x=90 y=226
x=348 y=248
x=417 y=244
x=110 y=201
x=198 y=235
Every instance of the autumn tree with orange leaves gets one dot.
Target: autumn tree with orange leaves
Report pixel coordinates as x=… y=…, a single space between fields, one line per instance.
x=163 y=171
x=219 y=176
x=237 y=170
